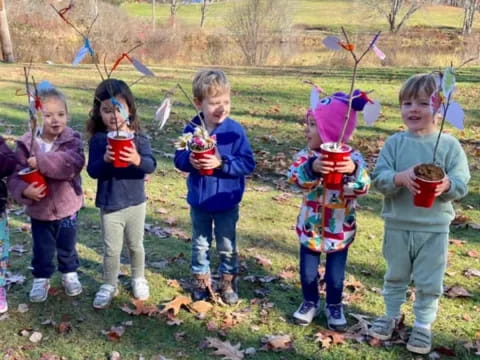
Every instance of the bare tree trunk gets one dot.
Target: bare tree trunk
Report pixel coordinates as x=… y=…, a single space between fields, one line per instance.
x=204 y=13
x=469 y=8
x=154 y=17
x=174 y=5
x=5 y=40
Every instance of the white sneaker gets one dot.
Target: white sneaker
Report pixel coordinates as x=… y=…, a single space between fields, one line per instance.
x=71 y=284
x=140 y=288
x=39 y=292
x=335 y=318
x=306 y=312
x=104 y=296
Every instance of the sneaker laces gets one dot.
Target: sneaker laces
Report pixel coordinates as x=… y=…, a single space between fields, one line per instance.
x=306 y=307
x=335 y=311
x=71 y=277
x=105 y=292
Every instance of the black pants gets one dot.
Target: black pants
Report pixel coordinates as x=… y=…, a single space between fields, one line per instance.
x=48 y=236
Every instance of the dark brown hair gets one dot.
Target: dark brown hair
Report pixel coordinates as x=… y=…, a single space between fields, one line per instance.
x=107 y=89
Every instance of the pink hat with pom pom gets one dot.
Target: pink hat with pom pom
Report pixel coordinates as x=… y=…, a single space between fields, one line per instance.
x=330 y=112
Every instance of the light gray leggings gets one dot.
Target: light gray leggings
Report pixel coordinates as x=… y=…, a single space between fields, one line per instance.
x=118 y=225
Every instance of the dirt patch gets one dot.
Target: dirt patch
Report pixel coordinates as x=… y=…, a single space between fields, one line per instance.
x=429 y=172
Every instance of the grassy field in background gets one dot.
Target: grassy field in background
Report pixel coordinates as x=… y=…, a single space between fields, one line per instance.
x=270 y=103
x=312 y=14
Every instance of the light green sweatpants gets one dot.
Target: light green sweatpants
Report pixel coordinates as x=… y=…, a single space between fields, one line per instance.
x=418 y=256
x=118 y=225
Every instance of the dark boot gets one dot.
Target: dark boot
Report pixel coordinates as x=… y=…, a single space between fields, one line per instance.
x=201 y=284
x=228 y=288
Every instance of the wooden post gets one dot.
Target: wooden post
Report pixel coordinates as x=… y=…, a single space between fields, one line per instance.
x=5 y=40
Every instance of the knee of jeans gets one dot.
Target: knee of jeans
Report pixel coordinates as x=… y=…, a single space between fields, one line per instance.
x=112 y=251
x=200 y=243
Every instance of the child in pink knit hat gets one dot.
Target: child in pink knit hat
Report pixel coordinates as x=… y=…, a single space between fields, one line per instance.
x=326 y=223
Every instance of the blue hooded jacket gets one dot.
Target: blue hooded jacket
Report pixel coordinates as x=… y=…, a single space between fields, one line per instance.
x=224 y=189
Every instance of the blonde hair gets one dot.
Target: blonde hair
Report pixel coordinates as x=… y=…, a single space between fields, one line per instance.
x=417 y=85
x=209 y=82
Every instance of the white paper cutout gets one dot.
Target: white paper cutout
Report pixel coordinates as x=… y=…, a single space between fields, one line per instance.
x=163 y=113
x=314 y=98
x=448 y=82
x=332 y=42
x=371 y=112
x=455 y=114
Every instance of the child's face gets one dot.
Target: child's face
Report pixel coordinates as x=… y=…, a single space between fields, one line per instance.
x=109 y=112
x=311 y=133
x=417 y=115
x=215 y=108
x=54 y=118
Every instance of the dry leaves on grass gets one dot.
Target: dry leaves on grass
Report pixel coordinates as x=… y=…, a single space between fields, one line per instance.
x=115 y=333
x=263 y=261
x=326 y=338
x=140 y=308
x=173 y=283
x=277 y=343
x=471 y=273
x=200 y=307
x=174 y=305
x=225 y=349
x=35 y=337
x=456 y=291
x=473 y=253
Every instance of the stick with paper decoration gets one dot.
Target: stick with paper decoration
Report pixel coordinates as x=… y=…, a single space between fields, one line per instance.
x=372 y=110
x=441 y=101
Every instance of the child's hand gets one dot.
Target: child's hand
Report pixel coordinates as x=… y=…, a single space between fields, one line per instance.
x=131 y=155
x=322 y=166
x=345 y=167
x=109 y=156
x=407 y=178
x=32 y=162
x=195 y=162
x=443 y=187
x=35 y=193
x=211 y=161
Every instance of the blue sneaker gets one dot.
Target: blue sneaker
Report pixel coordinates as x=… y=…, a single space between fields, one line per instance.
x=306 y=312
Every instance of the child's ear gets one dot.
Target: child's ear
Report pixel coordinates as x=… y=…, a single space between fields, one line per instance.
x=198 y=103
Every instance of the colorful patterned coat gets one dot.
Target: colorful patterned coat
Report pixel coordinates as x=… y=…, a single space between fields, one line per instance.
x=326 y=222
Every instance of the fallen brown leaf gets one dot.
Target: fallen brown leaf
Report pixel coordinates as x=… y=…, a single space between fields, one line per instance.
x=471 y=273
x=456 y=291
x=445 y=351
x=115 y=333
x=262 y=260
x=173 y=283
x=140 y=308
x=201 y=307
x=225 y=349
x=277 y=342
x=174 y=305
x=473 y=253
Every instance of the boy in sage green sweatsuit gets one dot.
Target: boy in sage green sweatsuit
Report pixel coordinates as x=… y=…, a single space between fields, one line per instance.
x=416 y=238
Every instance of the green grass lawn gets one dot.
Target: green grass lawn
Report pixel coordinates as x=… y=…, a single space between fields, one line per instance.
x=270 y=103
x=313 y=14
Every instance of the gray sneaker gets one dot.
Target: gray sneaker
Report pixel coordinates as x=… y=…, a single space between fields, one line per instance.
x=140 y=288
x=39 y=292
x=104 y=296
x=335 y=318
x=383 y=327
x=306 y=312
x=71 y=284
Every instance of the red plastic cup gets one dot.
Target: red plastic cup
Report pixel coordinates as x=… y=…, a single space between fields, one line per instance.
x=31 y=176
x=332 y=153
x=426 y=197
x=200 y=154
x=118 y=144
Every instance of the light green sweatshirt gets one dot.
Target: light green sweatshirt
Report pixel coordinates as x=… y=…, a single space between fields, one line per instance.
x=404 y=150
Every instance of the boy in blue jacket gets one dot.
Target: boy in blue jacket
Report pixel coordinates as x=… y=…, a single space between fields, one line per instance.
x=214 y=200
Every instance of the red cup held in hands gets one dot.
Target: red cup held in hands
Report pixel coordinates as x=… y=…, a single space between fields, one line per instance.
x=333 y=153
x=119 y=141
x=200 y=154
x=31 y=176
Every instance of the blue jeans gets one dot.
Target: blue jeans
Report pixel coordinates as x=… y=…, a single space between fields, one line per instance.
x=58 y=236
x=223 y=225
x=334 y=274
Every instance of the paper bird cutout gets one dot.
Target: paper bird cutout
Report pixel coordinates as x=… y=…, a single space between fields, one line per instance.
x=371 y=112
x=332 y=42
x=137 y=64
x=84 y=50
x=314 y=98
x=45 y=85
x=454 y=114
x=121 y=108
x=448 y=82
x=163 y=113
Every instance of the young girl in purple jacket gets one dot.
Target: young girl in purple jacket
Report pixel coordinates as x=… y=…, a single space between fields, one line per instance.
x=58 y=154
x=7 y=166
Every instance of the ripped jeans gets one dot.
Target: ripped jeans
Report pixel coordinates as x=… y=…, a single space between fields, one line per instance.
x=223 y=225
